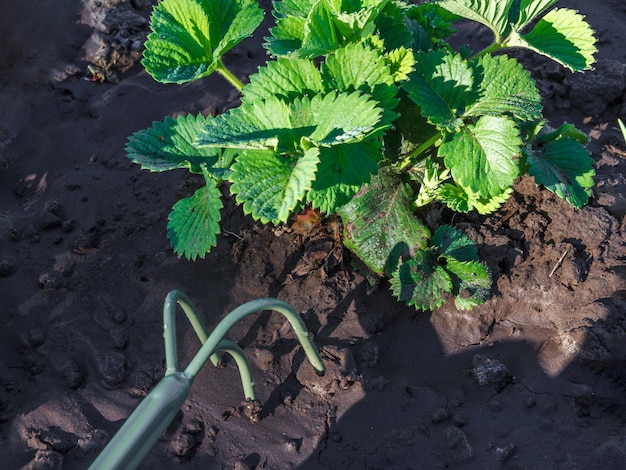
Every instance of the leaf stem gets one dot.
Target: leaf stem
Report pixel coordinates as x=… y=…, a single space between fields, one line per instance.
x=419 y=150
x=228 y=75
x=496 y=46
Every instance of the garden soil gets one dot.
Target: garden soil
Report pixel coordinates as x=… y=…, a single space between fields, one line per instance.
x=534 y=378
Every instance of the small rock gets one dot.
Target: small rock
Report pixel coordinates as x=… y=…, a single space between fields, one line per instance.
x=67 y=226
x=119 y=317
x=184 y=444
x=506 y=452
x=242 y=465
x=454 y=403
x=7 y=268
x=34 y=338
x=495 y=405
x=369 y=354
x=33 y=363
x=530 y=401
x=64 y=265
x=194 y=426
x=57 y=439
x=437 y=415
x=142 y=383
x=119 y=337
x=49 y=282
x=72 y=374
x=372 y=321
x=53 y=206
x=66 y=73
x=48 y=220
x=340 y=372
x=293 y=445
x=252 y=410
x=459 y=448
x=112 y=366
x=491 y=372
x=46 y=459
x=264 y=357
x=580 y=392
x=212 y=432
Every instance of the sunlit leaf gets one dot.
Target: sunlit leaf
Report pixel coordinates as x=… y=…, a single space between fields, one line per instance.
x=482 y=157
x=194 y=222
x=562 y=35
x=170 y=144
x=189 y=37
x=270 y=185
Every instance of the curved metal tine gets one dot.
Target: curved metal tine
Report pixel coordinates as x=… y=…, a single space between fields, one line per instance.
x=176 y=297
x=223 y=327
x=172 y=299
x=232 y=348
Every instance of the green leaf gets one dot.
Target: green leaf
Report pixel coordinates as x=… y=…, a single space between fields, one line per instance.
x=421 y=282
x=257 y=125
x=453 y=243
x=379 y=225
x=342 y=170
x=481 y=157
x=309 y=29
x=247 y=19
x=320 y=33
x=433 y=25
x=529 y=10
x=391 y=26
x=189 y=37
x=358 y=21
x=442 y=86
x=471 y=282
x=273 y=124
x=505 y=88
x=358 y=67
x=194 y=222
x=297 y=8
x=448 y=266
x=562 y=35
x=170 y=144
x=491 y=13
x=286 y=79
x=270 y=185
x=566 y=130
x=460 y=200
x=401 y=62
x=286 y=36
x=564 y=167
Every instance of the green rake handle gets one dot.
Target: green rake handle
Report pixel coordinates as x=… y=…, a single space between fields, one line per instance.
x=154 y=414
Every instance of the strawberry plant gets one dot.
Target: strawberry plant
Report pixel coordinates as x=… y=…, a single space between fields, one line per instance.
x=365 y=110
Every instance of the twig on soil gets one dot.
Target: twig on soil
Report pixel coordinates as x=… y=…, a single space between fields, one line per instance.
x=558 y=263
x=228 y=232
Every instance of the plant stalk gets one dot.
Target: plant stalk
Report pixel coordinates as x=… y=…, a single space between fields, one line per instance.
x=228 y=75
x=496 y=46
x=419 y=150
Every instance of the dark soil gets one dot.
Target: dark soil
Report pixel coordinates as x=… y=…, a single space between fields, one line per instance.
x=535 y=378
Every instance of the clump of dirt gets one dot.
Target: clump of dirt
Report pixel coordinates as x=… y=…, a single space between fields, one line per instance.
x=120 y=28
